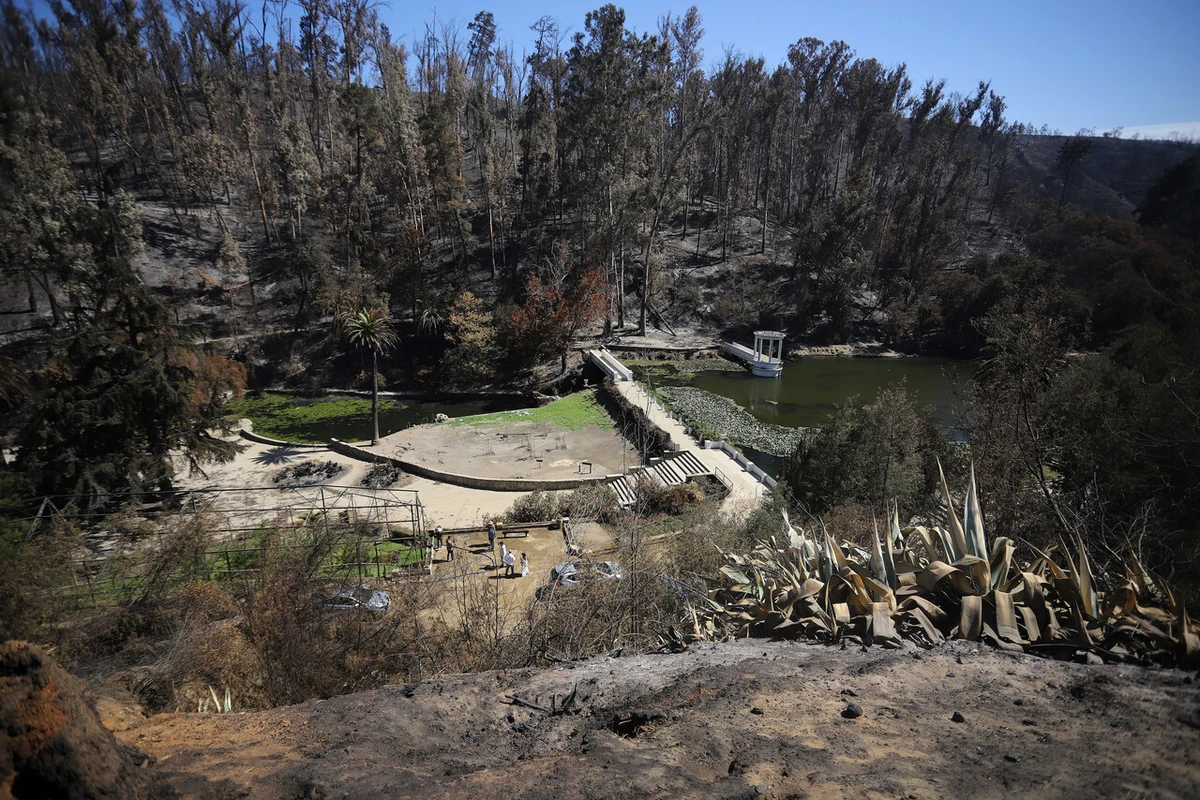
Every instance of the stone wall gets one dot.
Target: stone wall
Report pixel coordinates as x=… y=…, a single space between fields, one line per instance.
x=254 y=437
x=470 y=481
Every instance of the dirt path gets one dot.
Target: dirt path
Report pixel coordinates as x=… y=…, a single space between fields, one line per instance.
x=737 y=720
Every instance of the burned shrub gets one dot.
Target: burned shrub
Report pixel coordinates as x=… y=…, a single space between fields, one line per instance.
x=382 y=476
x=307 y=473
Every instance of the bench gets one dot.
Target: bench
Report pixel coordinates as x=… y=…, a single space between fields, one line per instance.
x=519 y=532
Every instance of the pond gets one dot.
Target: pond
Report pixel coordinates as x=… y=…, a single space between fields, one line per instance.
x=810 y=389
x=304 y=419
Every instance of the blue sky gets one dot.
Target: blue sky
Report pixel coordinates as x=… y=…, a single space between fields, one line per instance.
x=1066 y=64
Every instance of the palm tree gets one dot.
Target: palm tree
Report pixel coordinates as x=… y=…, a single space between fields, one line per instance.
x=369 y=328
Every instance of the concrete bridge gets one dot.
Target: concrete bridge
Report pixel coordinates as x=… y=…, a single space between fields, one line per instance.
x=766 y=359
x=610 y=366
x=747 y=484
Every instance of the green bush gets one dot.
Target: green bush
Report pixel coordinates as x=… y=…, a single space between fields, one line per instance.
x=536 y=506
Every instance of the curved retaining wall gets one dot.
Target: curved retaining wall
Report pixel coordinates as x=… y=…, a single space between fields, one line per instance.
x=254 y=437
x=470 y=481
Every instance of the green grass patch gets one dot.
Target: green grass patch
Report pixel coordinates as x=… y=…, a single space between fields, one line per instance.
x=573 y=412
x=281 y=416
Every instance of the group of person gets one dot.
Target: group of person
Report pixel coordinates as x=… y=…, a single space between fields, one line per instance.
x=507 y=557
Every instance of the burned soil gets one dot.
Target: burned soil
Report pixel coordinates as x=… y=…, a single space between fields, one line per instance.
x=742 y=719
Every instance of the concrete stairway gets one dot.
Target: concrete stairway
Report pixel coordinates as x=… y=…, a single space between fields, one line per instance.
x=670 y=470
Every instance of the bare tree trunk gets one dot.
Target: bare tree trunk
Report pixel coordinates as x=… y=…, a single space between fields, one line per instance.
x=29 y=288
x=766 y=198
x=374 y=398
x=687 y=203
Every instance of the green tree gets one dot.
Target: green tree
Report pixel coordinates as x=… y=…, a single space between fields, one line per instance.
x=874 y=455
x=370 y=329
x=118 y=398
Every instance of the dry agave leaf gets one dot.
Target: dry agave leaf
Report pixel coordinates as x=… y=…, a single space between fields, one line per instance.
x=882 y=629
x=933 y=611
x=1033 y=594
x=1087 y=582
x=1032 y=629
x=940 y=574
x=970 y=622
x=1122 y=600
x=1045 y=562
x=926 y=538
x=926 y=625
x=957 y=541
x=860 y=599
x=973 y=521
x=979 y=572
x=880 y=592
x=1188 y=639
x=836 y=556
x=1001 y=560
x=1146 y=585
x=990 y=634
x=1006 y=618
x=734 y=575
x=811 y=588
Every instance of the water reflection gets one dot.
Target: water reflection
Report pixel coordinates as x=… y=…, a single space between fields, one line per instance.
x=809 y=391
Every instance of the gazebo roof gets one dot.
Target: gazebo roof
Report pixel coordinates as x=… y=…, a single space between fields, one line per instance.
x=769 y=334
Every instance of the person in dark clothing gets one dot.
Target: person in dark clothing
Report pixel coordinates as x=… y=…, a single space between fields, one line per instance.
x=491 y=535
x=450 y=549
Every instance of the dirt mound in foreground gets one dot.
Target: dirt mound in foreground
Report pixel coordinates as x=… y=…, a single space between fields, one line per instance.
x=52 y=743
x=748 y=719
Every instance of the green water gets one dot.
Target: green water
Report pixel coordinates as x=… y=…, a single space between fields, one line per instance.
x=808 y=391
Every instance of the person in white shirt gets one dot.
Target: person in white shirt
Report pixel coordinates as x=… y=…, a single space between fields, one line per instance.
x=510 y=560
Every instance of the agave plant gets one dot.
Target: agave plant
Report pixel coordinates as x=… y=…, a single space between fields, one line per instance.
x=929 y=583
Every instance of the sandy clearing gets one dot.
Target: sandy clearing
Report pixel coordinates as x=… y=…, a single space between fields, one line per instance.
x=514 y=449
x=254 y=467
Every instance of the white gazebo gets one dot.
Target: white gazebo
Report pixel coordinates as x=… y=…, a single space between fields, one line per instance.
x=766 y=359
x=768 y=354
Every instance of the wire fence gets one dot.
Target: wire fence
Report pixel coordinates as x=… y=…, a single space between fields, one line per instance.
x=344 y=534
